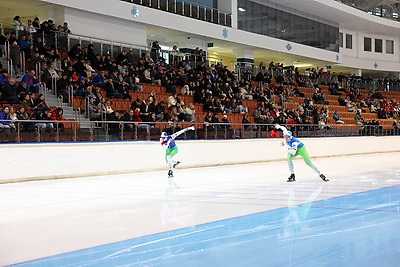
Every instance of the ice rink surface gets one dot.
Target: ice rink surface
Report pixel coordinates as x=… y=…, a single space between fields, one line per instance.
x=238 y=215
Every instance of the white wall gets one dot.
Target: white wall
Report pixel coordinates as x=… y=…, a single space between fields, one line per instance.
x=24 y=162
x=358 y=58
x=106 y=27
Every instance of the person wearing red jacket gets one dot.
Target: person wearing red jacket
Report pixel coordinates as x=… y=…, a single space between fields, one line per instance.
x=57 y=115
x=274 y=134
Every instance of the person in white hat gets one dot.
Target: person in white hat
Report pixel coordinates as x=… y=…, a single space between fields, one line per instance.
x=295 y=147
x=168 y=143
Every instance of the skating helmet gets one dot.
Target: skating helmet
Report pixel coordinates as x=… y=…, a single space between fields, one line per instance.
x=288 y=133
x=164 y=135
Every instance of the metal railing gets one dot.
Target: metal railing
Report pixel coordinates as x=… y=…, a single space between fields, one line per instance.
x=70 y=131
x=187 y=9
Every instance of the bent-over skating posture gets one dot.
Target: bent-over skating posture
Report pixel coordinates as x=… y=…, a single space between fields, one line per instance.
x=168 y=143
x=295 y=147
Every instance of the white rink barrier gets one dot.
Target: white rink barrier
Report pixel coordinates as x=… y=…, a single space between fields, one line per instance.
x=28 y=162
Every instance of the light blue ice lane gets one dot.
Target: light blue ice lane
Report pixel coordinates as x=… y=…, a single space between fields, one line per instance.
x=354 y=230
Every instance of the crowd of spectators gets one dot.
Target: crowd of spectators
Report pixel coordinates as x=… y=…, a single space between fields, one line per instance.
x=219 y=89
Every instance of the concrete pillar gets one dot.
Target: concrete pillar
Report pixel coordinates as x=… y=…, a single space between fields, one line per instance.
x=245 y=56
x=245 y=59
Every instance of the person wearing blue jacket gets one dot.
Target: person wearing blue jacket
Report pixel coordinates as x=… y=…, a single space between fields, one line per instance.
x=32 y=82
x=99 y=80
x=5 y=120
x=3 y=78
x=295 y=148
x=168 y=143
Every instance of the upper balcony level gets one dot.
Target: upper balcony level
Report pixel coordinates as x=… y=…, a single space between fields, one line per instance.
x=187 y=9
x=382 y=8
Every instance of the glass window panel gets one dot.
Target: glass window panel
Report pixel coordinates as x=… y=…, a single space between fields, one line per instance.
x=311 y=32
x=96 y=47
x=367 y=44
x=215 y=16
x=163 y=5
x=258 y=26
x=229 y=20
x=285 y=26
x=153 y=4
x=258 y=22
x=73 y=41
x=136 y=54
x=195 y=12
x=172 y=7
x=335 y=37
x=272 y=13
x=85 y=43
x=202 y=13
x=389 y=47
x=179 y=8
x=116 y=50
x=106 y=49
x=322 y=36
x=340 y=39
x=299 y=30
x=187 y=8
x=349 y=41
x=208 y=15
x=328 y=39
x=265 y=19
x=222 y=18
x=279 y=15
x=378 y=45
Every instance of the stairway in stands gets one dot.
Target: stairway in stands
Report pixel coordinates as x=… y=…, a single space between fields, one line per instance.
x=69 y=112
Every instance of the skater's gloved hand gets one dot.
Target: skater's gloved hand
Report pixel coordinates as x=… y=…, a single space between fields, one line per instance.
x=292 y=151
x=191 y=128
x=282 y=143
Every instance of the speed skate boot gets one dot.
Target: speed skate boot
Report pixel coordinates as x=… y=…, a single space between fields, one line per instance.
x=170 y=174
x=323 y=177
x=291 y=178
x=176 y=164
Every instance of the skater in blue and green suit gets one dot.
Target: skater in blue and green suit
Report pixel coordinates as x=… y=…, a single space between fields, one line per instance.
x=168 y=143
x=295 y=148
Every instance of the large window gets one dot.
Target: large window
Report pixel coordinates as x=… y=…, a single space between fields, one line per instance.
x=378 y=46
x=340 y=39
x=281 y=22
x=389 y=47
x=349 y=41
x=367 y=44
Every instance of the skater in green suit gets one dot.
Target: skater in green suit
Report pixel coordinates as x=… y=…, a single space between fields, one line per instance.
x=295 y=148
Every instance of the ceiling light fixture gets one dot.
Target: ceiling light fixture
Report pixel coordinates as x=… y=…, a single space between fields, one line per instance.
x=241 y=9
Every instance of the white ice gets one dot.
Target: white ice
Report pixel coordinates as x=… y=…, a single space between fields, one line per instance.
x=44 y=218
